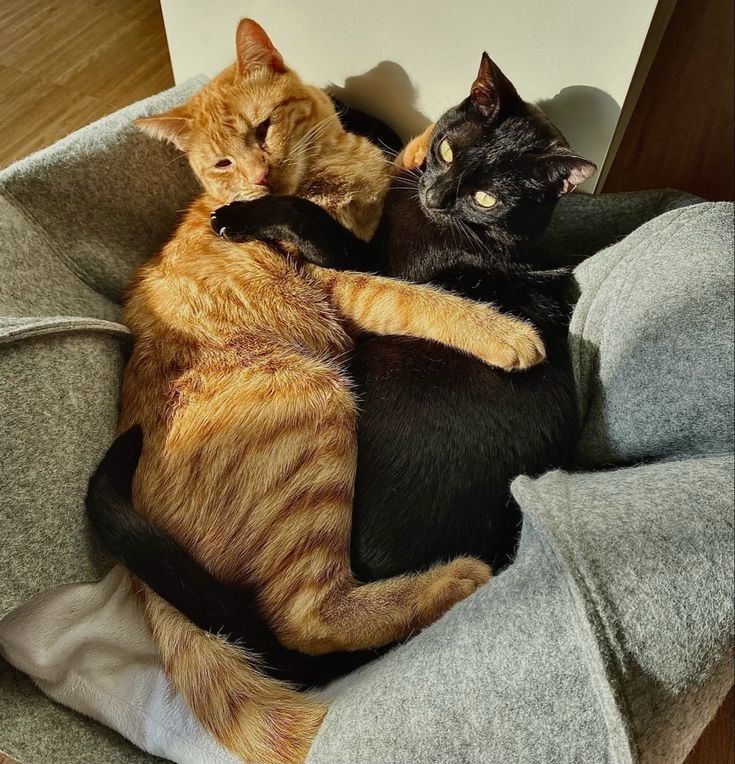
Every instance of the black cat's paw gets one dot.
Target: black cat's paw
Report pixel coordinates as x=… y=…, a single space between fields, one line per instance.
x=235 y=222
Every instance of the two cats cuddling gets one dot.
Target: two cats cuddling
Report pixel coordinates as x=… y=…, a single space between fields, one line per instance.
x=341 y=361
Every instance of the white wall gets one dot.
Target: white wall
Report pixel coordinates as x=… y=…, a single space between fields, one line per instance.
x=409 y=61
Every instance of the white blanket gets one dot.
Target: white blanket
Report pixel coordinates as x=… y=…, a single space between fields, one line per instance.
x=87 y=646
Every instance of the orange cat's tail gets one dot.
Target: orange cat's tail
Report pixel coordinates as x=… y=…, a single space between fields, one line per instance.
x=261 y=720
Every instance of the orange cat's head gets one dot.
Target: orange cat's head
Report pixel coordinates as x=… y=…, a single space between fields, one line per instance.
x=252 y=130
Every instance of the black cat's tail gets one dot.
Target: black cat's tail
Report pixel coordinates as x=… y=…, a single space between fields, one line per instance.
x=156 y=558
x=147 y=551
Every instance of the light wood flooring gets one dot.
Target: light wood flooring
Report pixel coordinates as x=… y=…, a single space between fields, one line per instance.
x=64 y=64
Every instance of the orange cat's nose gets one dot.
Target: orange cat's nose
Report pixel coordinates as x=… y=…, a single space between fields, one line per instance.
x=262 y=180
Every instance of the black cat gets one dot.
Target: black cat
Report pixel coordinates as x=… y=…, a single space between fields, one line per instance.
x=441 y=435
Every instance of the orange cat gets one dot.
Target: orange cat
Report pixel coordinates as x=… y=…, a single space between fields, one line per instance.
x=249 y=421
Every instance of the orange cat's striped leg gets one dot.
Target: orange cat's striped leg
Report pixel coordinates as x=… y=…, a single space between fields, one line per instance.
x=299 y=533
x=331 y=611
x=390 y=306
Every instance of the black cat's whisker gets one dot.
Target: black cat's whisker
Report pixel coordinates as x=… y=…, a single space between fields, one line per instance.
x=472 y=235
x=411 y=179
x=410 y=176
x=461 y=229
x=391 y=163
x=477 y=237
x=455 y=229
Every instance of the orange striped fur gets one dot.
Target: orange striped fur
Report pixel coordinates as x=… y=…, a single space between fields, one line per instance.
x=249 y=420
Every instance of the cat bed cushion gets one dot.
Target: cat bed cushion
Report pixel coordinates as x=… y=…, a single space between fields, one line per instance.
x=609 y=639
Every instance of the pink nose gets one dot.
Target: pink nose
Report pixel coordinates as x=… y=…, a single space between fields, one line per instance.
x=262 y=180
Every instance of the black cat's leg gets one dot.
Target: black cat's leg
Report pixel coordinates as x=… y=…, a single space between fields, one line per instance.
x=537 y=295
x=298 y=222
x=376 y=131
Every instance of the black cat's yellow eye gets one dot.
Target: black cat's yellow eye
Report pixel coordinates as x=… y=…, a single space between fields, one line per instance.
x=485 y=200
x=445 y=151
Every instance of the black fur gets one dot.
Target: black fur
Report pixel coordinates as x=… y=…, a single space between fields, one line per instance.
x=356 y=121
x=441 y=435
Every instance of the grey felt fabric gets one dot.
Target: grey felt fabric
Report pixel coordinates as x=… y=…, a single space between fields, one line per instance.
x=75 y=220
x=653 y=341
x=584 y=225
x=607 y=640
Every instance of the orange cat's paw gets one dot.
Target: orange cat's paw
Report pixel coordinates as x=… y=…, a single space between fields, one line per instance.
x=456 y=581
x=526 y=347
x=469 y=569
x=415 y=152
x=509 y=343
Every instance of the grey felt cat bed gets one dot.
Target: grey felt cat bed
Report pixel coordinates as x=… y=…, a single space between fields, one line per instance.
x=609 y=639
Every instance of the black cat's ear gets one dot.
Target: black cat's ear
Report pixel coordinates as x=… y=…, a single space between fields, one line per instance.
x=492 y=91
x=569 y=170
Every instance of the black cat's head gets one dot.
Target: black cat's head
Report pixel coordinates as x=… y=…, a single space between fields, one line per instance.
x=495 y=162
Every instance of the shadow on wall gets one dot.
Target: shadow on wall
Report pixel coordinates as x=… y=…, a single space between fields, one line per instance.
x=386 y=92
x=587 y=117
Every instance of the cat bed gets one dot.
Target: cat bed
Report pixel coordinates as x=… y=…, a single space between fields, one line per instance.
x=608 y=640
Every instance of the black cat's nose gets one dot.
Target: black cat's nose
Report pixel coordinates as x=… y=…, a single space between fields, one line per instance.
x=433 y=198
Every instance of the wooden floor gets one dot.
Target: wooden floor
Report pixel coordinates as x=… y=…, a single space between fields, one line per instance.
x=717 y=744
x=65 y=63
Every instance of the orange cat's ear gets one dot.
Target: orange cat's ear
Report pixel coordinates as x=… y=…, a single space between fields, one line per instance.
x=255 y=49
x=173 y=126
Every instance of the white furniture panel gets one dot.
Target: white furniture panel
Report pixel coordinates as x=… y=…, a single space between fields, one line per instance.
x=409 y=61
